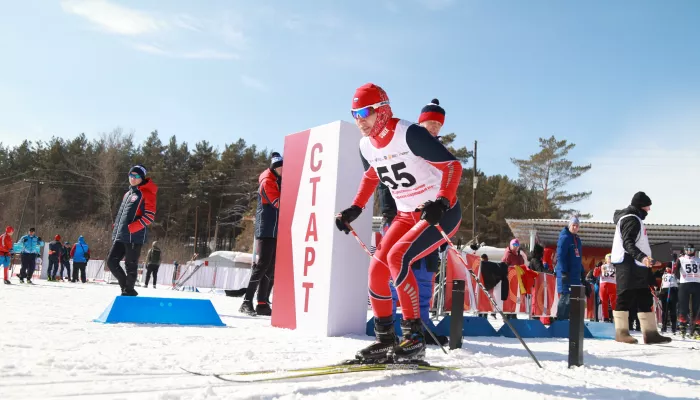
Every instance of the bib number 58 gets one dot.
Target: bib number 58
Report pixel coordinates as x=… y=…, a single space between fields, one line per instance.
x=399 y=177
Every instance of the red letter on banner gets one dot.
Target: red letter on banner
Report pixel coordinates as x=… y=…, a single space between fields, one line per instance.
x=309 y=258
x=307 y=286
x=318 y=148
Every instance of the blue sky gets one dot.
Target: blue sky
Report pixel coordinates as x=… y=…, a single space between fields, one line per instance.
x=620 y=79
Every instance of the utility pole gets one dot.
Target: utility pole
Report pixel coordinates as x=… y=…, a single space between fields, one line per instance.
x=209 y=226
x=36 y=184
x=196 y=219
x=36 y=204
x=475 y=179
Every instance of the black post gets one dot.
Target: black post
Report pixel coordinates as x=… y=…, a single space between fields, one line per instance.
x=576 y=314
x=457 y=314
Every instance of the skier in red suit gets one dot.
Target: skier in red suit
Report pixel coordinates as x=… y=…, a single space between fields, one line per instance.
x=422 y=176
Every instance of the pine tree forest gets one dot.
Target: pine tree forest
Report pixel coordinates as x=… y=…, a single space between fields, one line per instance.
x=206 y=196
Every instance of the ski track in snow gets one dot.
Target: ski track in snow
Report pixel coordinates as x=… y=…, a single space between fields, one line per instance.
x=51 y=349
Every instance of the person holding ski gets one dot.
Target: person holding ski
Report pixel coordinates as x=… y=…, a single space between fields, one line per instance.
x=6 y=253
x=136 y=212
x=422 y=176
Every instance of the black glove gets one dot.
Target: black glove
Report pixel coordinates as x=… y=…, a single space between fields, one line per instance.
x=347 y=216
x=434 y=210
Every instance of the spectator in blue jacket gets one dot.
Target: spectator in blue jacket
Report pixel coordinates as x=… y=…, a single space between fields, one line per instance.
x=80 y=253
x=569 y=266
x=30 y=246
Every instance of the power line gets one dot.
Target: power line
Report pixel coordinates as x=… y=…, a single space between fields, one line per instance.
x=14 y=176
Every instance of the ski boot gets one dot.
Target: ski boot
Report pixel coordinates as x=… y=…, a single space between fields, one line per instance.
x=29 y=282
x=683 y=327
x=696 y=331
x=247 y=308
x=412 y=347
x=263 y=309
x=650 y=332
x=7 y=282
x=379 y=351
x=21 y=280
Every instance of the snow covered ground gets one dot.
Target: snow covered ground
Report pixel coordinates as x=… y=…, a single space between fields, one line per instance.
x=50 y=348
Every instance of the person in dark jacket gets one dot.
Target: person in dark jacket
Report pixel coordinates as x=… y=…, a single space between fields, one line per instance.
x=536 y=255
x=31 y=246
x=80 y=253
x=65 y=261
x=266 y=221
x=55 y=249
x=569 y=267
x=432 y=117
x=152 y=264
x=631 y=255
x=136 y=212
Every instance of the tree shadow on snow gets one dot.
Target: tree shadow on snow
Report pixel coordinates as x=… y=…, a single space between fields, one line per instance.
x=597 y=361
x=575 y=392
x=451 y=377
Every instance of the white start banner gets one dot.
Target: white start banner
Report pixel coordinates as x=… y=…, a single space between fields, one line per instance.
x=321 y=273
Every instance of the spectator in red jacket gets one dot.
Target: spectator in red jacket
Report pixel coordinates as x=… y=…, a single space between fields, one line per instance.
x=266 y=218
x=5 y=252
x=136 y=212
x=513 y=255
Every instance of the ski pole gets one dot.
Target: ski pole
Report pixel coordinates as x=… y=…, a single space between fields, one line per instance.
x=493 y=302
x=370 y=255
x=359 y=240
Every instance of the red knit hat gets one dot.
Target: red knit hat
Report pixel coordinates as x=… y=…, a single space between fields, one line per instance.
x=9 y=229
x=432 y=112
x=57 y=238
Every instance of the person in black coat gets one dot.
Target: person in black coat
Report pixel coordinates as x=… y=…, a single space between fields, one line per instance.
x=536 y=255
x=65 y=260
x=136 y=212
x=631 y=255
x=55 y=249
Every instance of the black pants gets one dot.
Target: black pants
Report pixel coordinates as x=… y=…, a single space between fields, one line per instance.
x=152 y=269
x=669 y=300
x=79 y=267
x=263 y=271
x=688 y=292
x=130 y=252
x=633 y=301
x=53 y=268
x=66 y=265
x=28 y=265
